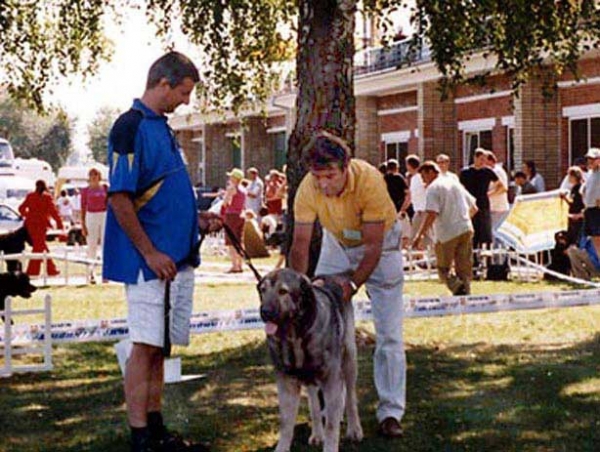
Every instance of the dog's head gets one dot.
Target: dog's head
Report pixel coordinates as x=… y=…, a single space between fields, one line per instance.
x=286 y=296
x=16 y=285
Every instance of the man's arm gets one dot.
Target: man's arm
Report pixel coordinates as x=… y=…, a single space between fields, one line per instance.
x=373 y=242
x=159 y=263
x=300 y=246
x=430 y=217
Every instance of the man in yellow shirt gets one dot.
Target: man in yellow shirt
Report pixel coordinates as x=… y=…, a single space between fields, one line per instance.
x=361 y=236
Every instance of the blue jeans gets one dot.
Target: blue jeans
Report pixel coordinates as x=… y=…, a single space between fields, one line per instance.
x=384 y=288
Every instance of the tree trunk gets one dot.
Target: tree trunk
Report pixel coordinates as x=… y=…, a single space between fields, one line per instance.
x=325 y=99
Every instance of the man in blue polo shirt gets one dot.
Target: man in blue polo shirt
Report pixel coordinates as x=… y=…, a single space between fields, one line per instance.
x=152 y=237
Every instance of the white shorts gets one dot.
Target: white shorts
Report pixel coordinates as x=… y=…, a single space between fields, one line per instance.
x=146 y=309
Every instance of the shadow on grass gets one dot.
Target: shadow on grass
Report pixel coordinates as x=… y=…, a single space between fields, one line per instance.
x=471 y=397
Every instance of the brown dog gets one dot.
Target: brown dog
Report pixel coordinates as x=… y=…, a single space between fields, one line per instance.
x=310 y=334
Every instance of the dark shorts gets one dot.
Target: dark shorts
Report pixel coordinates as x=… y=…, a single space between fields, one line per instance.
x=591 y=218
x=236 y=224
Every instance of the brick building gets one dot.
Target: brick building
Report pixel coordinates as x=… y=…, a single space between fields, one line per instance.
x=399 y=111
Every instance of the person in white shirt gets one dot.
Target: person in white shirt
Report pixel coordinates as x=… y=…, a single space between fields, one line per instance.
x=443 y=161
x=498 y=191
x=417 y=197
x=65 y=207
x=254 y=192
x=449 y=209
x=533 y=176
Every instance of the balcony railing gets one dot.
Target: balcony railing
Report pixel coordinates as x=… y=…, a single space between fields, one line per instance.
x=397 y=55
x=376 y=59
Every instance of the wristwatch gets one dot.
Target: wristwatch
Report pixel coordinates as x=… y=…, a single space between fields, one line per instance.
x=354 y=287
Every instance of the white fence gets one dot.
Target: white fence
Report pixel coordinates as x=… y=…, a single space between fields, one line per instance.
x=26 y=346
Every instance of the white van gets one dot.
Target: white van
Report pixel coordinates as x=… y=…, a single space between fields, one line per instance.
x=34 y=169
x=6 y=153
x=14 y=189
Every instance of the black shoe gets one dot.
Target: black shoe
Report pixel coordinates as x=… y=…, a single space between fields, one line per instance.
x=173 y=442
x=391 y=428
x=144 y=446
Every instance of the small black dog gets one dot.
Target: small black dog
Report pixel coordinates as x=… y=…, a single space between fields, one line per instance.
x=14 y=243
x=560 y=261
x=14 y=285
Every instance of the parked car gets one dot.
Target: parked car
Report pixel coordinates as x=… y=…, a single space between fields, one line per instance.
x=10 y=219
x=205 y=196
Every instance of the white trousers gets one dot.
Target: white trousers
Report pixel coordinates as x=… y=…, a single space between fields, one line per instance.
x=94 y=222
x=384 y=288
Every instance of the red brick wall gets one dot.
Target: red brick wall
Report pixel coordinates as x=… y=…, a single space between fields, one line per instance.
x=488 y=108
x=399 y=100
x=398 y=122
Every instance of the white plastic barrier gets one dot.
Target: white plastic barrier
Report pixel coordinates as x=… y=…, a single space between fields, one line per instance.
x=15 y=344
x=248 y=319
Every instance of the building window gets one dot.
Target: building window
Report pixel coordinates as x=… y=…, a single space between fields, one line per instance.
x=236 y=152
x=280 y=150
x=474 y=139
x=397 y=151
x=585 y=133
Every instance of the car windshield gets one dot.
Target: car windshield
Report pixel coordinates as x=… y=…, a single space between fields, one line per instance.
x=8 y=214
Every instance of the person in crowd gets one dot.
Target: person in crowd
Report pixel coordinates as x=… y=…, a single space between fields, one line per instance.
x=76 y=201
x=361 y=238
x=93 y=215
x=524 y=187
x=584 y=260
x=273 y=194
x=591 y=199
x=254 y=192
x=575 y=200
x=233 y=212
x=151 y=242
x=498 y=190
x=581 y=163
x=449 y=209
x=38 y=209
x=253 y=238
x=396 y=184
x=443 y=162
x=533 y=176
x=477 y=179
x=417 y=199
x=65 y=208
x=382 y=168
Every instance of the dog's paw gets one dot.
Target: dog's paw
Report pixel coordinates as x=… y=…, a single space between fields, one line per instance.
x=316 y=439
x=355 y=433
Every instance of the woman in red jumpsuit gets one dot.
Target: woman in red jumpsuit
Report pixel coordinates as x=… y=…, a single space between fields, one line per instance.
x=37 y=209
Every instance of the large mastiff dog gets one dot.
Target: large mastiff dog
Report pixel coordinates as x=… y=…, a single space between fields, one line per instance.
x=310 y=334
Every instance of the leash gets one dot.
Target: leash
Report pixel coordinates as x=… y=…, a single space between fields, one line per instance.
x=240 y=249
x=167 y=327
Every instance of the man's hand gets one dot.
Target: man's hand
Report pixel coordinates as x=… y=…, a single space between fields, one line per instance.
x=209 y=222
x=340 y=280
x=417 y=243
x=162 y=265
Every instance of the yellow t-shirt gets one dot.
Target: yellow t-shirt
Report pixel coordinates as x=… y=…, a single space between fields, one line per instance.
x=364 y=200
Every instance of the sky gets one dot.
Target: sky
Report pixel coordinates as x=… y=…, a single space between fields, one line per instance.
x=118 y=81
x=122 y=79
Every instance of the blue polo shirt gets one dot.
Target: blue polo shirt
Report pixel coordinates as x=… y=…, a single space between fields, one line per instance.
x=145 y=161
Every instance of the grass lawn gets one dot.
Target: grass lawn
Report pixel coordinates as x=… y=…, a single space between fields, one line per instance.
x=511 y=381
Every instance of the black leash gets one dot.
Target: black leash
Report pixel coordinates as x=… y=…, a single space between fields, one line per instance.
x=240 y=249
x=167 y=329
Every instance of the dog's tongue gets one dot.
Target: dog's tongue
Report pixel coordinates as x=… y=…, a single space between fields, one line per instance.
x=270 y=328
